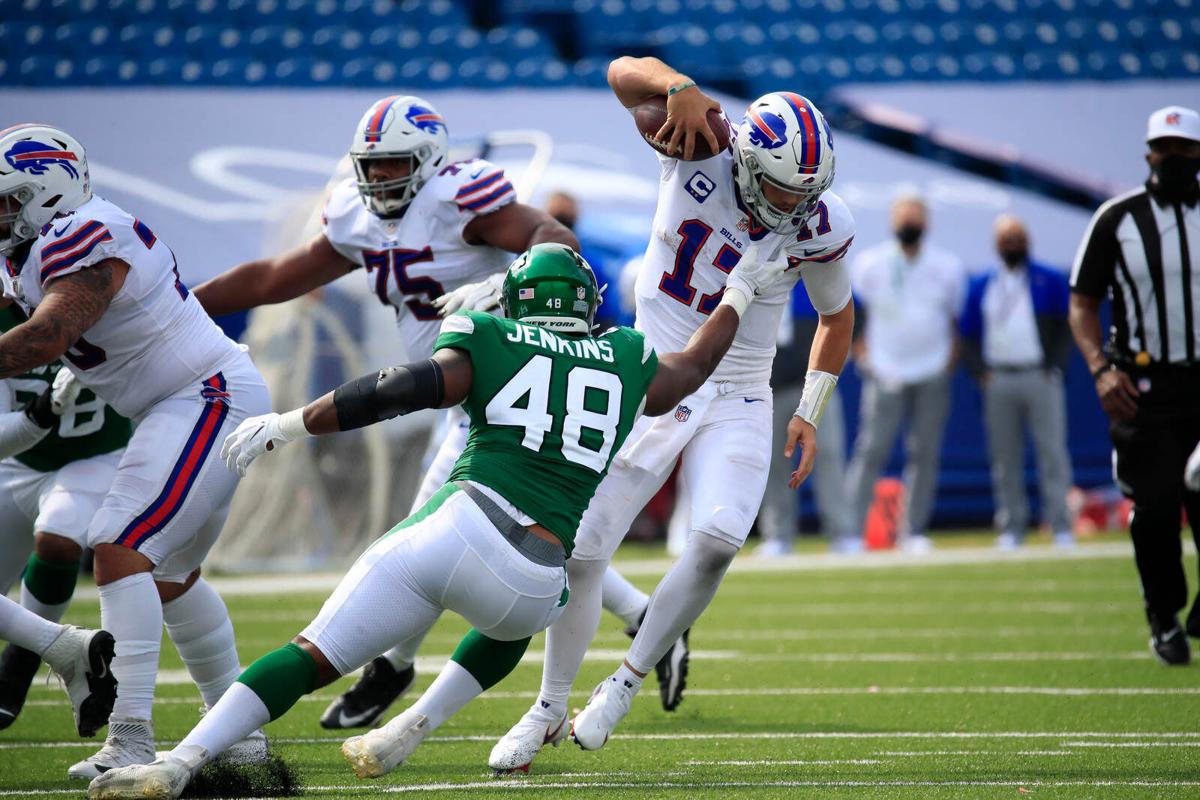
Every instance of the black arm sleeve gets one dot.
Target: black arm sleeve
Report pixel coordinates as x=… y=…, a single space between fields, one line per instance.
x=388 y=393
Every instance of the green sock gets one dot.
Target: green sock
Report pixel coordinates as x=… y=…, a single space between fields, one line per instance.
x=281 y=677
x=488 y=660
x=51 y=582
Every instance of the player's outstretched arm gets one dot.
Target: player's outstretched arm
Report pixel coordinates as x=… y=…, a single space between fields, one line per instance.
x=273 y=280
x=438 y=382
x=72 y=303
x=635 y=80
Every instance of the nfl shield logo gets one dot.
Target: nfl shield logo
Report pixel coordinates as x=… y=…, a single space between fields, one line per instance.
x=525 y=294
x=682 y=413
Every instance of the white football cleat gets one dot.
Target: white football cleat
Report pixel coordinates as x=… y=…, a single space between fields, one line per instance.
x=378 y=752
x=516 y=749
x=130 y=742
x=250 y=751
x=81 y=658
x=609 y=704
x=163 y=779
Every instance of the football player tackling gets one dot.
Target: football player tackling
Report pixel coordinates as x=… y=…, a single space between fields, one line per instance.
x=769 y=197
x=424 y=231
x=549 y=406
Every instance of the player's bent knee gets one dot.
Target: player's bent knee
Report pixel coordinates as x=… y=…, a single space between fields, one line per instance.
x=168 y=590
x=114 y=562
x=712 y=554
x=327 y=673
x=54 y=548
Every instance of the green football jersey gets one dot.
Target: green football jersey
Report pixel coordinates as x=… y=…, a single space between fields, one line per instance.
x=89 y=429
x=548 y=411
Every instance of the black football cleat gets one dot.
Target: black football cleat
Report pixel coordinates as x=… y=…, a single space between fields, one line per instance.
x=671 y=670
x=18 y=667
x=363 y=704
x=1169 y=642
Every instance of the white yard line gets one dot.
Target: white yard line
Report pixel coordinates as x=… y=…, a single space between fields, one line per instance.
x=767 y=762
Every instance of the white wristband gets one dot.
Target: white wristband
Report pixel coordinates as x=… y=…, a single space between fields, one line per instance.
x=818 y=388
x=736 y=299
x=291 y=425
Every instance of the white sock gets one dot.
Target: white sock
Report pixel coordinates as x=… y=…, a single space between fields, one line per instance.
x=131 y=611
x=198 y=623
x=622 y=598
x=239 y=713
x=567 y=640
x=682 y=595
x=453 y=688
x=24 y=628
x=404 y=654
x=53 y=612
x=627 y=676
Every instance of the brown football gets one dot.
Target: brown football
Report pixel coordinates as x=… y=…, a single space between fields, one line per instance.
x=651 y=114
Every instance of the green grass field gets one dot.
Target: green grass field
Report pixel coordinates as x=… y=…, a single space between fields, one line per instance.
x=995 y=677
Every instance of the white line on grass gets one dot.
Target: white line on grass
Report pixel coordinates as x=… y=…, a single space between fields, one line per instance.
x=1131 y=744
x=682 y=735
x=769 y=762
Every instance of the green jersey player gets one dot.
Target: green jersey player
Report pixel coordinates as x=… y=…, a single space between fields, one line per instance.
x=549 y=405
x=50 y=487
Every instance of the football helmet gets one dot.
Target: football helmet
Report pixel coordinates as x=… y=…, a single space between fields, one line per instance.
x=552 y=286
x=783 y=141
x=43 y=173
x=398 y=127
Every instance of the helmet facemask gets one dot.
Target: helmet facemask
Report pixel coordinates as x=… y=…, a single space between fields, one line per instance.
x=769 y=215
x=389 y=198
x=15 y=227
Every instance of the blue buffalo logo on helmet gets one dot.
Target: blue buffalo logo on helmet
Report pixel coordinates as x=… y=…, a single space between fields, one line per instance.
x=767 y=130
x=425 y=119
x=37 y=158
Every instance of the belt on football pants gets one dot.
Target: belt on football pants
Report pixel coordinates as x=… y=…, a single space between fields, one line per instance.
x=537 y=550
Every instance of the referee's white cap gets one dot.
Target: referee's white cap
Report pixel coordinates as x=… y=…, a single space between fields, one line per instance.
x=1174 y=121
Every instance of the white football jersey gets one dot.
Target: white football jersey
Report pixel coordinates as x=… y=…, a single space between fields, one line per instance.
x=154 y=339
x=700 y=232
x=412 y=260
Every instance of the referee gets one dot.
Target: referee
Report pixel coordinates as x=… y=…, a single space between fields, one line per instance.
x=1143 y=249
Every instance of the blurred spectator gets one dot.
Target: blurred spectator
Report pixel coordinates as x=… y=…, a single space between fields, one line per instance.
x=1016 y=342
x=565 y=209
x=1143 y=250
x=777 y=520
x=910 y=293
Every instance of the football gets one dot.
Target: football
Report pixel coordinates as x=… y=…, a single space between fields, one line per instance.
x=652 y=114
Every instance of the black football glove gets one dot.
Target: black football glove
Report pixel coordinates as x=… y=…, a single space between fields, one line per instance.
x=40 y=411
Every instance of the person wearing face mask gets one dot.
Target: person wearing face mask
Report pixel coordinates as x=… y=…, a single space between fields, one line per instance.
x=1016 y=343
x=910 y=293
x=1142 y=249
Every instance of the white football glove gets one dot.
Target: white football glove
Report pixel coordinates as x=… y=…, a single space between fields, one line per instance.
x=65 y=391
x=754 y=273
x=1191 y=473
x=482 y=296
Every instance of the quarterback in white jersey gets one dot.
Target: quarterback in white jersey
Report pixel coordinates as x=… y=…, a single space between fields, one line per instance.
x=102 y=292
x=766 y=198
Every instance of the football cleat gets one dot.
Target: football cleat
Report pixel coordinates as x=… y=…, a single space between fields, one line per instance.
x=18 y=667
x=130 y=743
x=249 y=752
x=82 y=659
x=671 y=670
x=1168 y=642
x=165 y=778
x=516 y=749
x=378 y=752
x=609 y=704
x=363 y=704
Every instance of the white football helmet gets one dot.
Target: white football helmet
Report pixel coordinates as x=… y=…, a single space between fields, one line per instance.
x=398 y=127
x=43 y=173
x=784 y=141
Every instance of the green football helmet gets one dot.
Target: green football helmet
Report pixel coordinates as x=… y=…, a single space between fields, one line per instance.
x=552 y=286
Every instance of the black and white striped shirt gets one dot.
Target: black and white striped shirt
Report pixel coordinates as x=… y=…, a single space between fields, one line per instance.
x=1147 y=253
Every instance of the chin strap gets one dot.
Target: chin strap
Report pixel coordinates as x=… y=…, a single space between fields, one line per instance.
x=818 y=388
